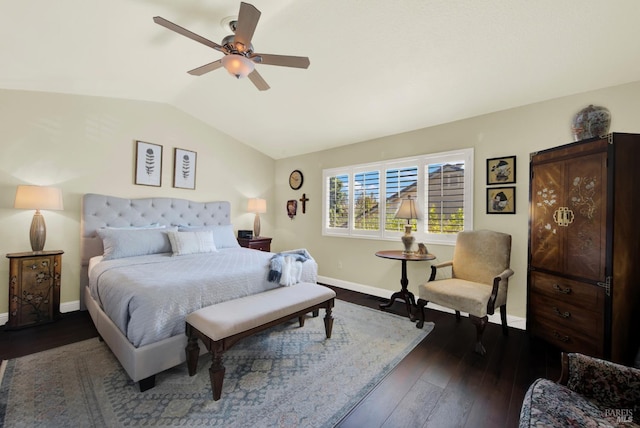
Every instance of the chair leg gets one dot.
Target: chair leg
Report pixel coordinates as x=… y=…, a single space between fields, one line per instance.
x=480 y=323
x=503 y=317
x=421 y=304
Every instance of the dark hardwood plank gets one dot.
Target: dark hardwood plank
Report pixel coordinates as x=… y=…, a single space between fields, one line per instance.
x=71 y=327
x=468 y=390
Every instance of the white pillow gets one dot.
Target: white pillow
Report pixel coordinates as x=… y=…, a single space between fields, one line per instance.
x=192 y=242
x=222 y=235
x=119 y=243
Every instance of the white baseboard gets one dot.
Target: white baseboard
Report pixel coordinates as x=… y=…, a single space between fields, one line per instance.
x=512 y=321
x=64 y=307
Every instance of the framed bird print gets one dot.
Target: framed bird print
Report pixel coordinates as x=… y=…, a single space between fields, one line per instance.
x=184 y=169
x=501 y=200
x=148 y=164
x=501 y=170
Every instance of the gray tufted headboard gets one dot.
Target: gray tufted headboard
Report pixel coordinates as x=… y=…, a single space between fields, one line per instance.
x=102 y=210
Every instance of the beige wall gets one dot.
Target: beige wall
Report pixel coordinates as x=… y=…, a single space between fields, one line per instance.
x=87 y=145
x=519 y=132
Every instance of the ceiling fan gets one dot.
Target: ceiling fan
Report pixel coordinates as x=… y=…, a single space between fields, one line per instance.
x=239 y=57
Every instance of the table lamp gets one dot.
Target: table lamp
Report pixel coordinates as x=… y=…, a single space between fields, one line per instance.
x=38 y=198
x=258 y=206
x=407 y=210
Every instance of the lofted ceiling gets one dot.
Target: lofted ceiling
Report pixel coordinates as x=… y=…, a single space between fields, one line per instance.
x=378 y=67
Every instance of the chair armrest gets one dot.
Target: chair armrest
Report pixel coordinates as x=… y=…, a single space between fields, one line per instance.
x=611 y=385
x=434 y=268
x=496 y=286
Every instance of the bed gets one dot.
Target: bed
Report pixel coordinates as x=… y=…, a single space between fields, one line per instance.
x=138 y=289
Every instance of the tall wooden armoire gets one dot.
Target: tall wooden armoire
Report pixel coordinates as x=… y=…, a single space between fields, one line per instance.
x=583 y=287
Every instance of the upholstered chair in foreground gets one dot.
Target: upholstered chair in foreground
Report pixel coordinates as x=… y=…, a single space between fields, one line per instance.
x=591 y=393
x=478 y=282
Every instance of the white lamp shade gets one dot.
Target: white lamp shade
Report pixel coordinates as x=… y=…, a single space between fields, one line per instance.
x=256 y=205
x=407 y=209
x=38 y=198
x=238 y=65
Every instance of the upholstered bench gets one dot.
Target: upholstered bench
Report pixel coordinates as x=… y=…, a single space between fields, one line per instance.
x=221 y=325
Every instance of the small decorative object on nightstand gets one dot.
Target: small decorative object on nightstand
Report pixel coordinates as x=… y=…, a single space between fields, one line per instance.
x=34 y=288
x=256 y=243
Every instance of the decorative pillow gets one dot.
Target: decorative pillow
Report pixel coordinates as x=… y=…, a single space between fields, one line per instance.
x=192 y=242
x=119 y=243
x=222 y=235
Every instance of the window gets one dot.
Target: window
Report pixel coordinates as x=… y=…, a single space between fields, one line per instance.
x=361 y=200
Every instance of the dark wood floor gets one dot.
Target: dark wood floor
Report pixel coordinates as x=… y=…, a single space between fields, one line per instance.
x=441 y=383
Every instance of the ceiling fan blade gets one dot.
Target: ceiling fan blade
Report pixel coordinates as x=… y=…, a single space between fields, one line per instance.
x=281 y=60
x=206 y=68
x=257 y=80
x=247 y=20
x=183 y=31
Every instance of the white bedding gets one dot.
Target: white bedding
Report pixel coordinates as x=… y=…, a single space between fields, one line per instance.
x=148 y=297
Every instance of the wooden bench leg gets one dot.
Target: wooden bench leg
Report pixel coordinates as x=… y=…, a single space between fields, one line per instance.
x=301 y=320
x=328 y=320
x=193 y=351
x=216 y=371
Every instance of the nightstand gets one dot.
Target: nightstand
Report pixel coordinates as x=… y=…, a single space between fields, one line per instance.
x=34 y=288
x=260 y=243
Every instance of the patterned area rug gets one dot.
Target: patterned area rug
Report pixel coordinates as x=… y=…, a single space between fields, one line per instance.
x=285 y=377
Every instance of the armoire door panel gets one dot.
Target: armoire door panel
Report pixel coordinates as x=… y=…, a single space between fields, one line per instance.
x=547 y=238
x=586 y=237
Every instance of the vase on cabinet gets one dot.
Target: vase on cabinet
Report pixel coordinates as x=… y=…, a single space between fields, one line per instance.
x=591 y=121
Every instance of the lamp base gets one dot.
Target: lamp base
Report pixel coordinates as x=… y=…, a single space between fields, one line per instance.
x=407 y=240
x=256 y=226
x=38 y=232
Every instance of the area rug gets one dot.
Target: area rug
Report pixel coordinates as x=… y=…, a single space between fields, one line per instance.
x=285 y=377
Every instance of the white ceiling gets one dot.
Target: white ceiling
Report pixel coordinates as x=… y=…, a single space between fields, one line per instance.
x=378 y=67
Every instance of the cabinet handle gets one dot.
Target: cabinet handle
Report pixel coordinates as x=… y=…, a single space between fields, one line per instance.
x=563 y=216
x=565 y=314
x=561 y=290
x=560 y=337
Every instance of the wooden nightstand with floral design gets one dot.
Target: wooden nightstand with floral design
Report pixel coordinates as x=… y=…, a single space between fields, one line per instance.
x=34 y=288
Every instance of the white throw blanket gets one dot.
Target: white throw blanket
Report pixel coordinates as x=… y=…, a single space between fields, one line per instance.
x=286 y=267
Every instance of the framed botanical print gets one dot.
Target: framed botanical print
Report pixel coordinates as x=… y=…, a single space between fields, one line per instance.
x=501 y=200
x=501 y=170
x=184 y=169
x=148 y=164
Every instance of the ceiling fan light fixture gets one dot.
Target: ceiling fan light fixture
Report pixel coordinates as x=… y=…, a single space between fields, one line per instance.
x=238 y=65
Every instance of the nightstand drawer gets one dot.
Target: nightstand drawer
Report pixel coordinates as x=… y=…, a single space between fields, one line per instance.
x=260 y=243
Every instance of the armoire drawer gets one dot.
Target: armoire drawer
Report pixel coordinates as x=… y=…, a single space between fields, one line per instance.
x=565 y=316
x=580 y=294
x=565 y=338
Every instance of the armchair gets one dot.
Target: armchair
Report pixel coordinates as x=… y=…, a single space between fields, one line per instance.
x=590 y=392
x=479 y=280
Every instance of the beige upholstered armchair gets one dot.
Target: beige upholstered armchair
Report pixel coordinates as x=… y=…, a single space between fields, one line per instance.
x=478 y=282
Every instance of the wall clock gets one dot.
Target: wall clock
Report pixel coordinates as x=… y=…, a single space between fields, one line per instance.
x=296 y=179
